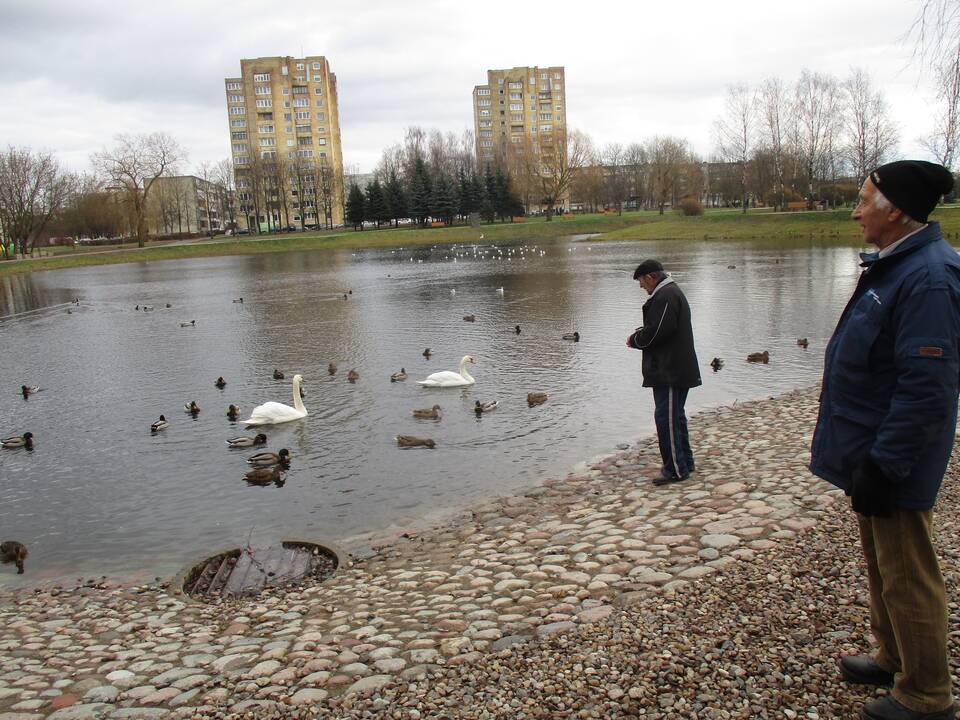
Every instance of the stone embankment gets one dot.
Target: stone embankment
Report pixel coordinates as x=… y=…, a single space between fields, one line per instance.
x=597 y=595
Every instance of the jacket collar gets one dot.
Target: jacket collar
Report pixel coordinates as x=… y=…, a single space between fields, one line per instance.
x=915 y=240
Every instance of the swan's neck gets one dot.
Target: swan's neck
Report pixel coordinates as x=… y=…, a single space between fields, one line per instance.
x=297 y=400
x=463 y=371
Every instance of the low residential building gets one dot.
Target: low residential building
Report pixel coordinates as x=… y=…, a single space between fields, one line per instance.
x=185 y=204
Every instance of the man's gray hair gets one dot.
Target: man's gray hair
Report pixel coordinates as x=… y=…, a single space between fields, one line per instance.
x=881 y=202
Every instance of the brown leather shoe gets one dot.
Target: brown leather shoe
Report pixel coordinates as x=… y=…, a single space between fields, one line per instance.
x=863 y=670
x=888 y=708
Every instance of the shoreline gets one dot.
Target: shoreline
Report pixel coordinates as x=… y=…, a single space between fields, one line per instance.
x=726 y=595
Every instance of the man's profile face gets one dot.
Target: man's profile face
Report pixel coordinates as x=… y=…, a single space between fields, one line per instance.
x=647 y=282
x=875 y=222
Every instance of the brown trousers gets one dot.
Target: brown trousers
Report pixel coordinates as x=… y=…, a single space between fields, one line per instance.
x=908 y=607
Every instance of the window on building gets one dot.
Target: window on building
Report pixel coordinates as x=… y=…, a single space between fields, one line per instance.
x=516 y=128
x=239 y=135
x=499 y=81
x=318 y=78
x=286 y=103
x=516 y=106
x=516 y=117
x=483 y=113
x=285 y=91
x=546 y=116
x=558 y=108
x=516 y=85
x=265 y=129
x=316 y=66
x=288 y=129
x=321 y=141
x=516 y=139
x=261 y=77
x=239 y=147
x=486 y=143
x=261 y=90
x=321 y=129
x=544 y=76
x=288 y=116
x=321 y=116
x=235 y=98
x=241 y=160
x=486 y=133
x=303 y=114
x=264 y=103
x=267 y=142
x=556 y=76
x=299 y=89
x=299 y=66
x=485 y=123
x=234 y=86
x=269 y=154
x=533 y=81
x=238 y=123
x=483 y=91
x=283 y=70
x=516 y=96
x=546 y=128
x=318 y=90
x=304 y=141
x=319 y=103
x=240 y=110
x=299 y=78
x=301 y=102
x=264 y=116
x=483 y=103
x=303 y=128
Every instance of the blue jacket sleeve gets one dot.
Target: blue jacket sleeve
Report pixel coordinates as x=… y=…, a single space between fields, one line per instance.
x=926 y=343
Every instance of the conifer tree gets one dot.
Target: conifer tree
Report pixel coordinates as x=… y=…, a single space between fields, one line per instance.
x=443 y=200
x=396 y=198
x=377 y=208
x=355 y=207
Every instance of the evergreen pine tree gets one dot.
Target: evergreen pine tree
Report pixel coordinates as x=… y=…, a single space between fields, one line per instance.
x=355 y=207
x=488 y=209
x=396 y=198
x=443 y=200
x=421 y=192
x=463 y=194
x=377 y=208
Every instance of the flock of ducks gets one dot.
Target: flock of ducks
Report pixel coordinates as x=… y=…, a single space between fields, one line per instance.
x=757 y=357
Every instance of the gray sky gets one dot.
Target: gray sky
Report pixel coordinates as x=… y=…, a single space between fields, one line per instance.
x=74 y=74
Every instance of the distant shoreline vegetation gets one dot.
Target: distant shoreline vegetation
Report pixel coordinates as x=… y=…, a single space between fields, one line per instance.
x=721 y=224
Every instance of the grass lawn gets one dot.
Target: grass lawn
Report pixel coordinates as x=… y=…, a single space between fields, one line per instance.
x=644 y=225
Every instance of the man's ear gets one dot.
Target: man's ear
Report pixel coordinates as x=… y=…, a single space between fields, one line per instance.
x=895 y=215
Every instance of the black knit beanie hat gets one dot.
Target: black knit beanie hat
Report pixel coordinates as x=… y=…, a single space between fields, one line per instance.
x=914 y=186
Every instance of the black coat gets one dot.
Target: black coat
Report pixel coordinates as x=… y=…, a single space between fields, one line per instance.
x=666 y=339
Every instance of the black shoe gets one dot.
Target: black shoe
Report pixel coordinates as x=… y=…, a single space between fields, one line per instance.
x=863 y=670
x=663 y=479
x=888 y=708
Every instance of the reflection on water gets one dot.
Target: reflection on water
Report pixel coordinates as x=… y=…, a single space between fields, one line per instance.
x=102 y=494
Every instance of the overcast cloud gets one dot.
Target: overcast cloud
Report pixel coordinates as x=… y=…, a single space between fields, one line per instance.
x=74 y=74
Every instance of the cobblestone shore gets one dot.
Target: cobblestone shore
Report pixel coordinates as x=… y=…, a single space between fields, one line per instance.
x=597 y=595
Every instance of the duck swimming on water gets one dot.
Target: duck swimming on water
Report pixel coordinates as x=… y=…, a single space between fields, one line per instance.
x=244 y=441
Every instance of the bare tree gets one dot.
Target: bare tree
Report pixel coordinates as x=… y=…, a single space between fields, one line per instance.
x=817 y=111
x=774 y=106
x=870 y=134
x=133 y=165
x=33 y=187
x=936 y=33
x=553 y=164
x=225 y=180
x=615 y=175
x=735 y=131
x=667 y=158
x=635 y=156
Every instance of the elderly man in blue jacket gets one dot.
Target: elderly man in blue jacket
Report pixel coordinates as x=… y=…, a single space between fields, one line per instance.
x=888 y=415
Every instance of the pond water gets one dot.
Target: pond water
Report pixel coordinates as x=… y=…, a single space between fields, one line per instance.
x=100 y=494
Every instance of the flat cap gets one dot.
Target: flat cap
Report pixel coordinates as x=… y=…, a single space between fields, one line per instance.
x=647 y=266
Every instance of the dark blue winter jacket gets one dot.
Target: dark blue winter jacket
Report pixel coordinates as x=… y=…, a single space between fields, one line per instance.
x=892 y=371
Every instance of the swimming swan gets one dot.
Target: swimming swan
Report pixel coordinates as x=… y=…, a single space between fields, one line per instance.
x=448 y=378
x=271 y=413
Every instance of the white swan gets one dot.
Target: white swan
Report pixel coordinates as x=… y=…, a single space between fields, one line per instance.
x=448 y=378
x=271 y=413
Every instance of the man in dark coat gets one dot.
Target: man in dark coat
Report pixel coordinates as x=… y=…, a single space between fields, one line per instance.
x=669 y=366
x=888 y=416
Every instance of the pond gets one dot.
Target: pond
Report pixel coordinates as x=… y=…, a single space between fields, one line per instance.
x=101 y=494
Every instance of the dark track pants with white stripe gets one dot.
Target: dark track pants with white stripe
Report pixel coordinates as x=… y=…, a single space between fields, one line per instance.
x=672 y=430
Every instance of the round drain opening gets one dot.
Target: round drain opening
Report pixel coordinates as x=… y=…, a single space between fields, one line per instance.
x=247 y=572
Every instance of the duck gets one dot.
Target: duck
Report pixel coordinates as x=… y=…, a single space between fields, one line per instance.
x=271 y=413
x=148 y=308
x=277 y=374
x=168 y=305
x=220 y=383
x=239 y=300
x=264 y=459
x=516 y=329
x=481 y=407
x=499 y=291
x=332 y=368
x=399 y=376
x=575 y=336
x=448 y=378
x=192 y=407
x=245 y=441
x=264 y=476
x=432 y=413
x=536 y=398
x=411 y=441
x=15 y=552
x=716 y=364
x=27 y=390
x=803 y=342
x=233 y=412
x=759 y=357
x=353 y=376
x=453 y=291
x=18 y=441
x=185 y=323
x=470 y=318
x=427 y=353
x=159 y=425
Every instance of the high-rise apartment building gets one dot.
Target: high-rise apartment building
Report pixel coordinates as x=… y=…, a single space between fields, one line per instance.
x=522 y=108
x=285 y=138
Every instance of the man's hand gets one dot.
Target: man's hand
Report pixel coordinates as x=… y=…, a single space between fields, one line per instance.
x=871 y=491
